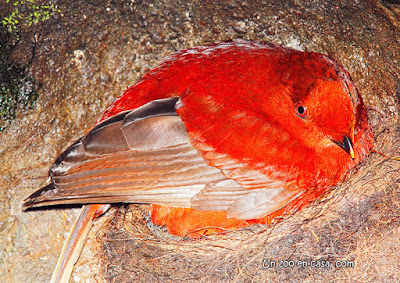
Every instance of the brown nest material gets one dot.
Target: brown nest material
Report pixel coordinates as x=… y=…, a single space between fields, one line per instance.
x=339 y=237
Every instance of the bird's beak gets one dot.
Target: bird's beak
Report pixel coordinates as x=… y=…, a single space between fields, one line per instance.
x=347 y=145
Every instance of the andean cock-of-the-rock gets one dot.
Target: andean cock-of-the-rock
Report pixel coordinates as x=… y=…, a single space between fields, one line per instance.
x=225 y=135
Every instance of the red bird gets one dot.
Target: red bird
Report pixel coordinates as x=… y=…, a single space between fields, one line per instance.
x=225 y=135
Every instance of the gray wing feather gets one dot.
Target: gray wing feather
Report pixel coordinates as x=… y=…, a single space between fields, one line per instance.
x=143 y=155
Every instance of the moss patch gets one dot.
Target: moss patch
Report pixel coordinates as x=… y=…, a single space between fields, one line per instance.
x=17 y=89
x=27 y=12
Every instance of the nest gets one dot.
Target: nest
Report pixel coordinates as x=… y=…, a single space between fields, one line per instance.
x=349 y=234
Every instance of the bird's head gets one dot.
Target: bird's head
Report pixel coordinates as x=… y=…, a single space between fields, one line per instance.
x=329 y=110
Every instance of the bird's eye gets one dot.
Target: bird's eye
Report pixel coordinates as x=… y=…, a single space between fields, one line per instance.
x=301 y=110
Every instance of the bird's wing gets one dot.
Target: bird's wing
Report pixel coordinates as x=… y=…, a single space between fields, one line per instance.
x=140 y=156
x=146 y=156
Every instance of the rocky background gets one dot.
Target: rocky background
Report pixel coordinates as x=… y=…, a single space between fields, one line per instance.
x=64 y=62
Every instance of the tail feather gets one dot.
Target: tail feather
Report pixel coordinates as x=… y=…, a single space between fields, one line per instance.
x=73 y=245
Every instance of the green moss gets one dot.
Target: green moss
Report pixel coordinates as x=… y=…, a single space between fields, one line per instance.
x=27 y=12
x=17 y=89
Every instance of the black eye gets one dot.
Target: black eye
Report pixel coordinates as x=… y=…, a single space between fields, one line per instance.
x=301 y=110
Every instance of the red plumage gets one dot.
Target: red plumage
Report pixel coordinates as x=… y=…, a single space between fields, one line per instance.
x=221 y=136
x=244 y=94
